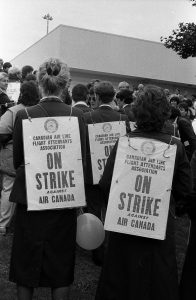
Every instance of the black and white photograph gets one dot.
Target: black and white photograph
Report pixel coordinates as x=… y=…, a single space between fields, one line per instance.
x=98 y=150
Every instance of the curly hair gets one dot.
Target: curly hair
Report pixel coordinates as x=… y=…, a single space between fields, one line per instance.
x=151 y=109
x=53 y=76
x=29 y=93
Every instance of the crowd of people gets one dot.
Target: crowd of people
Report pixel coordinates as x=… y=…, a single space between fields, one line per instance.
x=44 y=242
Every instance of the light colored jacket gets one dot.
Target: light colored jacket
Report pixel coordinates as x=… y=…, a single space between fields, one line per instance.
x=6 y=127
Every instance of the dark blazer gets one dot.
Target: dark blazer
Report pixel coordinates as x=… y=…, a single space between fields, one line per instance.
x=104 y=114
x=4 y=99
x=182 y=173
x=187 y=282
x=100 y=115
x=83 y=107
x=187 y=135
x=53 y=107
x=145 y=263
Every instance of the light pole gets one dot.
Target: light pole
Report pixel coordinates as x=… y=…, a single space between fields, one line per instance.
x=48 y=18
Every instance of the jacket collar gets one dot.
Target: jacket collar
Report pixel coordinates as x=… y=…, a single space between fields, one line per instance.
x=50 y=99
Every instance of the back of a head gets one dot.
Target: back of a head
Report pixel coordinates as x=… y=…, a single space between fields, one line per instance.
x=53 y=77
x=79 y=92
x=125 y=95
x=29 y=93
x=183 y=105
x=26 y=70
x=105 y=91
x=31 y=77
x=151 y=109
x=123 y=85
x=7 y=65
x=14 y=73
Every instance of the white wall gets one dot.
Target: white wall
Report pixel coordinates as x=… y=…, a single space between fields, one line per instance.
x=90 y=50
x=111 y=54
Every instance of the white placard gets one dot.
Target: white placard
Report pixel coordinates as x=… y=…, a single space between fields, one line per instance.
x=53 y=163
x=140 y=189
x=102 y=138
x=13 y=91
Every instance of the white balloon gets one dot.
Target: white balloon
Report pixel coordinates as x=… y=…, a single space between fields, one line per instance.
x=90 y=231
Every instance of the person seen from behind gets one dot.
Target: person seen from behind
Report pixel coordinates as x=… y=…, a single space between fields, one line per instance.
x=44 y=243
x=79 y=96
x=26 y=70
x=29 y=96
x=137 y=267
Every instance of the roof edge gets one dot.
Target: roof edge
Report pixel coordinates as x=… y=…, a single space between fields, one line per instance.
x=109 y=33
x=85 y=29
x=36 y=42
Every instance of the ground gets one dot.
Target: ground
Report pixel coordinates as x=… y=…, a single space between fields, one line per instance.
x=86 y=273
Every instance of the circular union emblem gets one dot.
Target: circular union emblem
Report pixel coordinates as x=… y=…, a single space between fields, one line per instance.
x=148 y=148
x=51 y=125
x=107 y=127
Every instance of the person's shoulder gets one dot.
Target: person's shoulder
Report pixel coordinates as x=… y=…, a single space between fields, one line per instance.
x=183 y=121
x=4 y=98
x=16 y=108
x=175 y=140
x=123 y=117
x=90 y=113
x=23 y=113
x=119 y=115
x=77 y=111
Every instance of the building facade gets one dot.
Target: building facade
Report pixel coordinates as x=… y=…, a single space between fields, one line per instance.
x=97 y=55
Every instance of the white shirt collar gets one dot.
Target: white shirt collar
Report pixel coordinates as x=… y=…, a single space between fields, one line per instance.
x=80 y=102
x=105 y=105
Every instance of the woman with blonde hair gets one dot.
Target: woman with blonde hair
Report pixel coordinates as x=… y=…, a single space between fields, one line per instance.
x=43 y=252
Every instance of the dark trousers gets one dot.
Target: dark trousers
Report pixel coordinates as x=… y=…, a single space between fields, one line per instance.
x=188 y=278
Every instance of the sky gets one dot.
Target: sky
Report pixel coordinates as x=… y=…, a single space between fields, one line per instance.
x=22 y=23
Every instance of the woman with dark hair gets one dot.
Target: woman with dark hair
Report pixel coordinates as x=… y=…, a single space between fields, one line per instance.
x=43 y=252
x=174 y=100
x=26 y=70
x=29 y=93
x=135 y=267
x=29 y=96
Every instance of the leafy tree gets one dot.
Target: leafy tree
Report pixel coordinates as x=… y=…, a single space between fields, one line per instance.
x=193 y=2
x=183 y=39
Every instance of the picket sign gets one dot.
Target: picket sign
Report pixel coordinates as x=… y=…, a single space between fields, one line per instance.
x=13 y=91
x=102 y=138
x=53 y=163
x=140 y=189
